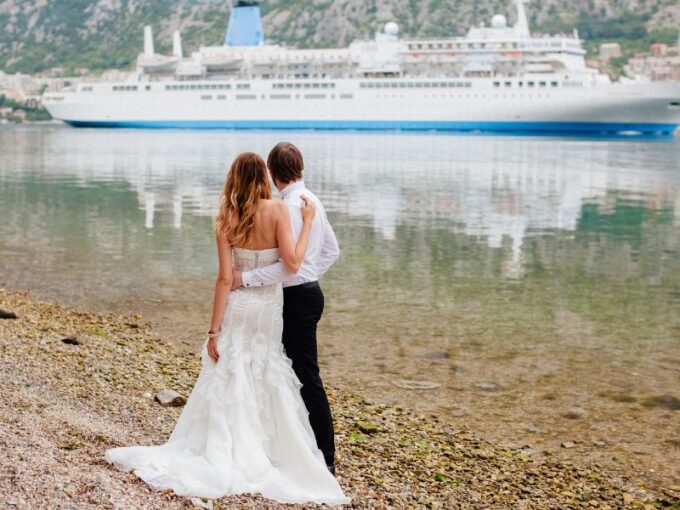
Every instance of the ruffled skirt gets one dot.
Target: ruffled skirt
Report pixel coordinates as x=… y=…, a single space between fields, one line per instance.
x=245 y=428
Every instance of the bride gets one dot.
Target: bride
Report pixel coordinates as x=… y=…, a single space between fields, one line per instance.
x=245 y=428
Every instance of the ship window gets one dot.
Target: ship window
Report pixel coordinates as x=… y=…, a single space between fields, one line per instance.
x=246 y=96
x=315 y=96
x=530 y=83
x=435 y=84
x=280 y=96
x=467 y=84
x=496 y=84
x=542 y=84
x=508 y=84
x=553 y=84
x=315 y=85
x=346 y=96
x=86 y=89
x=206 y=98
x=307 y=85
x=520 y=84
x=243 y=86
x=427 y=85
x=289 y=85
x=298 y=85
x=148 y=87
x=221 y=97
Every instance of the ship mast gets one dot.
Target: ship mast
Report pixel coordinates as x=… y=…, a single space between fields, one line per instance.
x=522 y=25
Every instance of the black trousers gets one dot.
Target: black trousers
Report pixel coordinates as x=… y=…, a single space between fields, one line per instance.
x=302 y=309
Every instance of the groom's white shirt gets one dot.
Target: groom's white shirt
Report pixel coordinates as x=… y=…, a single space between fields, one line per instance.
x=322 y=249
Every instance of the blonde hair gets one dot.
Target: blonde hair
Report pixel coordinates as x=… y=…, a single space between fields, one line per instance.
x=247 y=183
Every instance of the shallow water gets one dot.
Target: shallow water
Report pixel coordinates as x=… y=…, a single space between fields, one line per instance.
x=527 y=277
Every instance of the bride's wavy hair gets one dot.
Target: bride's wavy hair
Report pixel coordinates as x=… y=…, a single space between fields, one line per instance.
x=247 y=183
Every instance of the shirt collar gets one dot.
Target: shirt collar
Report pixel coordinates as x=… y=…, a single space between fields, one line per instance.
x=292 y=187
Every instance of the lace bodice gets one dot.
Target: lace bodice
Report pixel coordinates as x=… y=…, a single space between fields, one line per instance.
x=246 y=260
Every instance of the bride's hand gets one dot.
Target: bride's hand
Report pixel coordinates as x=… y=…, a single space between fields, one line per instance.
x=308 y=209
x=212 y=348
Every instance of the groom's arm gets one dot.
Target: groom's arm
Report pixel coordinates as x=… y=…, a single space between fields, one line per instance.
x=267 y=275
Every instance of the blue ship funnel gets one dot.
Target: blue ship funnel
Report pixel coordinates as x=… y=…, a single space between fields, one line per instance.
x=245 y=25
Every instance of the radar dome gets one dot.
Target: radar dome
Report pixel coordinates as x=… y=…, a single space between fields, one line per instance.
x=392 y=28
x=499 y=21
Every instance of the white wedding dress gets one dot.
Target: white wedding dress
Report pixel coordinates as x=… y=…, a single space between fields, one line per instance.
x=245 y=428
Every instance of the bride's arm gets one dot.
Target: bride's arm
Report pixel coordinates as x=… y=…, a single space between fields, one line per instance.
x=293 y=254
x=222 y=290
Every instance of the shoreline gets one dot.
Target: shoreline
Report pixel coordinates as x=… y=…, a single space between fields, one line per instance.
x=65 y=403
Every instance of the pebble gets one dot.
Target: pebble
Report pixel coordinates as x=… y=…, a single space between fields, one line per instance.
x=488 y=386
x=72 y=340
x=662 y=402
x=7 y=314
x=416 y=385
x=367 y=427
x=536 y=430
x=170 y=398
x=574 y=414
x=568 y=444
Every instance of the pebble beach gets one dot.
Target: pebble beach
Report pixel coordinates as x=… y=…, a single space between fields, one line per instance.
x=75 y=383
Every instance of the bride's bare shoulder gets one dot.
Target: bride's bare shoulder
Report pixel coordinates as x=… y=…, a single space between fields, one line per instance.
x=273 y=205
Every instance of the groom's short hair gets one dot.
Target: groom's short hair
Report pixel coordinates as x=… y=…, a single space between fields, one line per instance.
x=285 y=162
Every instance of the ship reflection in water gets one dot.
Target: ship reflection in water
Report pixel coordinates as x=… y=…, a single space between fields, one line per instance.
x=499 y=193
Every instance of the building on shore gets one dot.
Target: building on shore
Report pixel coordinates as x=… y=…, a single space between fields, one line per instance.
x=609 y=51
x=662 y=63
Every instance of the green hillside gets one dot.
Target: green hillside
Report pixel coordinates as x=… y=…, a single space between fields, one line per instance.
x=102 y=34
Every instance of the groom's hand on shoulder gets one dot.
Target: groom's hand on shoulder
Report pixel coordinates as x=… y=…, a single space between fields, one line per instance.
x=236 y=282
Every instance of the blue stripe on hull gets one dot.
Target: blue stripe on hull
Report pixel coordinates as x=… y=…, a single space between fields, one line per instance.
x=384 y=125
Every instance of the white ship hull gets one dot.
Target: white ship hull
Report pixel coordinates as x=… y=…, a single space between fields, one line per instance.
x=459 y=105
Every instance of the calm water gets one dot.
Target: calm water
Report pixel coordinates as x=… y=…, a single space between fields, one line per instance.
x=543 y=265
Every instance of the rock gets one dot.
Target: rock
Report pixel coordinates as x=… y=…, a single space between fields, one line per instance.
x=568 y=444
x=170 y=398
x=574 y=414
x=536 y=430
x=488 y=386
x=6 y=314
x=72 y=340
x=367 y=427
x=416 y=385
x=663 y=402
x=628 y=498
x=435 y=355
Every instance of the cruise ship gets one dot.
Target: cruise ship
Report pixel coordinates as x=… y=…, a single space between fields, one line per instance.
x=497 y=78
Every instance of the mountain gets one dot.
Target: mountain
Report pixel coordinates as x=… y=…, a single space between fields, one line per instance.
x=101 y=34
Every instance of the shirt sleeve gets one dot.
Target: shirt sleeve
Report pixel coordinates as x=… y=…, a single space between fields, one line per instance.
x=267 y=275
x=330 y=252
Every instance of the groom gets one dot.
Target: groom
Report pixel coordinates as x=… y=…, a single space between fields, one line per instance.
x=303 y=300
